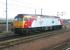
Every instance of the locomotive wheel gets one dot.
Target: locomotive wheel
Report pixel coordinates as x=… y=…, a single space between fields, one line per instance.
x=17 y=31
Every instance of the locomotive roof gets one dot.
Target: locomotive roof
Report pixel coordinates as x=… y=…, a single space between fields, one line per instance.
x=37 y=15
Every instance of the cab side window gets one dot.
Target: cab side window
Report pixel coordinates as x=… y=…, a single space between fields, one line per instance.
x=20 y=19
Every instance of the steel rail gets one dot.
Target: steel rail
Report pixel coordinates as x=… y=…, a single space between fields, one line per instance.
x=16 y=41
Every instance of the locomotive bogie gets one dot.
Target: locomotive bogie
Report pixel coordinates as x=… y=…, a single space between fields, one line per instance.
x=28 y=31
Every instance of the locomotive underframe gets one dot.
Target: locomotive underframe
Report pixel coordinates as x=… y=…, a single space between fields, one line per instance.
x=34 y=30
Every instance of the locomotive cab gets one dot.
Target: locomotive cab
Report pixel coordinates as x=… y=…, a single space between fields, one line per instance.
x=22 y=23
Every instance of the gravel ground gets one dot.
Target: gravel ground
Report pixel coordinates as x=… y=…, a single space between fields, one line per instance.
x=42 y=44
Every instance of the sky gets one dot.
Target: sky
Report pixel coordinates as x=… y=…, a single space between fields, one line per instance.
x=49 y=7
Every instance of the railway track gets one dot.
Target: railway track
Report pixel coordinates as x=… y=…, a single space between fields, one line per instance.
x=7 y=37
x=13 y=40
x=14 y=36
